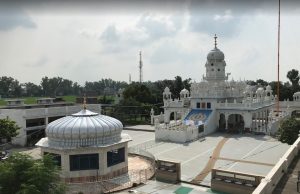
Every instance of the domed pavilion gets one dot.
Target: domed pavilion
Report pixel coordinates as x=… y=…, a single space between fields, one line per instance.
x=87 y=146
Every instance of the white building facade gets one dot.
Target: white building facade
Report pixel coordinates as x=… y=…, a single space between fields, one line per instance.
x=213 y=104
x=33 y=119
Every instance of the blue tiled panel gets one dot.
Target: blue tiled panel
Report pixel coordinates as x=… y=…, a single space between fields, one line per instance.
x=197 y=116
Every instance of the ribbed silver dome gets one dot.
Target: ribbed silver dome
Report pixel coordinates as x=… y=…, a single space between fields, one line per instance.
x=84 y=128
x=215 y=54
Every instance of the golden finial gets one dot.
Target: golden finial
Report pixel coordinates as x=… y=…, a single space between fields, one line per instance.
x=84 y=102
x=215 y=40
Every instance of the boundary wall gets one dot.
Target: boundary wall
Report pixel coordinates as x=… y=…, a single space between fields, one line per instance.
x=269 y=183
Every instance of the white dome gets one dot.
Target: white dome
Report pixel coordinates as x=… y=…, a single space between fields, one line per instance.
x=215 y=54
x=260 y=90
x=167 y=89
x=84 y=128
x=184 y=91
x=268 y=88
x=296 y=94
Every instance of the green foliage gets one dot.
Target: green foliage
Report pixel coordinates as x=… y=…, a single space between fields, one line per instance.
x=104 y=86
x=106 y=99
x=69 y=98
x=289 y=130
x=137 y=92
x=285 y=90
x=294 y=77
x=9 y=87
x=8 y=129
x=22 y=174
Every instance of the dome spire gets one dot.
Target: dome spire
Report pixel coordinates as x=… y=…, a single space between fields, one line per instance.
x=215 y=40
x=84 y=102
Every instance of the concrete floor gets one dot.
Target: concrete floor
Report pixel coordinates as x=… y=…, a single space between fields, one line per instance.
x=195 y=155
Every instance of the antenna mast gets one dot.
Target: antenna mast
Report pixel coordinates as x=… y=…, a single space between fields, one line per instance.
x=141 y=68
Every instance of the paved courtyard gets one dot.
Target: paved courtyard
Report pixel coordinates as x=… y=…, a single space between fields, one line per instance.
x=255 y=154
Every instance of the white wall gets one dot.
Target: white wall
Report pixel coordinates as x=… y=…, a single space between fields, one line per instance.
x=211 y=123
x=179 y=136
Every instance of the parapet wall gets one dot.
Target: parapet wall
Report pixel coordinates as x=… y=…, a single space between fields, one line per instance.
x=269 y=183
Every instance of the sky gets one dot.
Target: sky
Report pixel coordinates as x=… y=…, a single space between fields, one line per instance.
x=90 y=40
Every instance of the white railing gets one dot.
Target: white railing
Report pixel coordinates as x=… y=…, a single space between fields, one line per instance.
x=245 y=104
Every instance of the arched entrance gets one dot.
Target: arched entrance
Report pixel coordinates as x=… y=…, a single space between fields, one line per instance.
x=222 y=122
x=296 y=113
x=172 y=116
x=236 y=123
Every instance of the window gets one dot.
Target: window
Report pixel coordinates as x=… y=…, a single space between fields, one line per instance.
x=115 y=157
x=212 y=64
x=209 y=105
x=218 y=69
x=198 y=104
x=84 y=162
x=56 y=158
x=203 y=105
x=212 y=69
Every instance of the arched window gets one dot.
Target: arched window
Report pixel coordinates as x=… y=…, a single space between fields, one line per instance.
x=212 y=64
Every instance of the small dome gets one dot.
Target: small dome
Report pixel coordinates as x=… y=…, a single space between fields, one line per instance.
x=296 y=94
x=269 y=88
x=248 y=88
x=215 y=54
x=184 y=91
x=260 y=90
x=167 y=89
x=84 y=128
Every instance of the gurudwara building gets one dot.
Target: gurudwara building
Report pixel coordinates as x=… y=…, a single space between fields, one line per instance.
x=213 y=104
x=87 y=146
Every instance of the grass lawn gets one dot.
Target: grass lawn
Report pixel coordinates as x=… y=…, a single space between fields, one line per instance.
x=69 y=98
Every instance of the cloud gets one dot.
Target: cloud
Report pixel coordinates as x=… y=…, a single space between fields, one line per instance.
x=157 y=26
x=110 y=34
x=11 y=18
x=224 y=24
x=170 y=52
x=87 y=33
x=148 y=29
x=41 y=62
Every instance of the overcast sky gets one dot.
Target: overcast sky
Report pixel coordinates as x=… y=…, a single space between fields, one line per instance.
x=90 y=40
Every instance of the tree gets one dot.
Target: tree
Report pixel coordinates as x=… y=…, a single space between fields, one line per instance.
x=21 y=174
x=293 y=76
x=289 y=130
x=261 y=82
x=138 y=92
x=9 y=87
x=8 y=129
x=50 y=85
x=178 y=86
x=32 y=89
x=284 y=89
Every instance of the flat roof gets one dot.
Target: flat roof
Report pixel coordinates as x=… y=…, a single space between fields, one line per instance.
x=29 y=106
x=14 y=100
x=45 y=99
x=245 y=153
